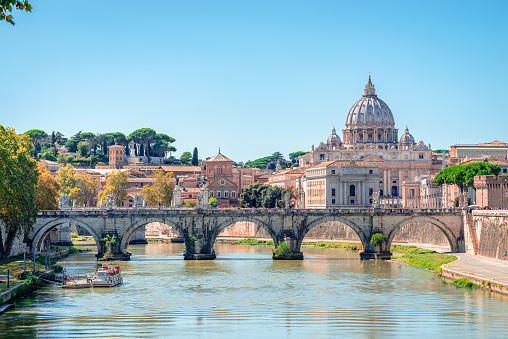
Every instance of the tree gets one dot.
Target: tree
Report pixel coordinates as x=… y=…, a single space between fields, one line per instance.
x=195 y=157
x=47 y=190
x=90 y=138
x=185 y=158
x=101 y=141
x=252 y=195
x=6 y=6
x=145 y=136
x=84 y=148
x=72 y=143
x=212 y=202
x=463 y=175
x=116 y=183
x=66 y=178
x=274 y=197
x=295 y=155
x=85 y=189
x=36 y=135
x=160 y=193
x=47 y=156
x=18 y=187
x=377 y=240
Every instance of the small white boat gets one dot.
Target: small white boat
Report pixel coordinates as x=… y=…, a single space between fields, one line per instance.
x=107 y=277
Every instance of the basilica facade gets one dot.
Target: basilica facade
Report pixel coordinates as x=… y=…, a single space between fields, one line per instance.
x=370 y=137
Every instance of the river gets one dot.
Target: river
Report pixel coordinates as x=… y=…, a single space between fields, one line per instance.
x=244 y=293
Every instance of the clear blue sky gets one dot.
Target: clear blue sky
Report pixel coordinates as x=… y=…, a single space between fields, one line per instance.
x=255 y=77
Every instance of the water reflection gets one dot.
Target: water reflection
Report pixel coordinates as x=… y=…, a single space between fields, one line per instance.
x=246 y=294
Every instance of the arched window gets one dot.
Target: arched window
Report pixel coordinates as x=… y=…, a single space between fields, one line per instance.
x=352 y=190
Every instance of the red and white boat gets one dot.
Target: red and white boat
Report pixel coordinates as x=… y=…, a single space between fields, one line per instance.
x=107 y=277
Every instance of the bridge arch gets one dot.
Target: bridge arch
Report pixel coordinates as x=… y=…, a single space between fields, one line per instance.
x=320 y=220
x=129 y=232
x=232 y=220
x=452 y=240
x=41 y=232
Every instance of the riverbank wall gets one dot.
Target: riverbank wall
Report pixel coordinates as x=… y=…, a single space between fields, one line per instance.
x=485 y=233
x=492 y=285
x=417 y=232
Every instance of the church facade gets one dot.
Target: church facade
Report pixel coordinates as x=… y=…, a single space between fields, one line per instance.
x=370 y=137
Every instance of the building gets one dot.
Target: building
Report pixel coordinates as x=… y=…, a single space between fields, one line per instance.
x=370 y=136
x=338 y=184
x=492 y=191
x=286 y=178
x=116 y=156
x=52 y=166
x=421 y=193
x=492 y=151
x=221 y=184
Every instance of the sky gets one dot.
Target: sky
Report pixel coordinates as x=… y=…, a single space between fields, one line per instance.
x=255 y=77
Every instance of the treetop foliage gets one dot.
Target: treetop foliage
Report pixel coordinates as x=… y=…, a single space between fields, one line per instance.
x=463 y=175
x=262 y=195
x=18 y=186
x=6 y=6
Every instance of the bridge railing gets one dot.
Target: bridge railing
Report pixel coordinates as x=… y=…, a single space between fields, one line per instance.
x=151 y=211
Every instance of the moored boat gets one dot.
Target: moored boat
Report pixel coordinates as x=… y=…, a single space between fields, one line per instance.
x=107 y=277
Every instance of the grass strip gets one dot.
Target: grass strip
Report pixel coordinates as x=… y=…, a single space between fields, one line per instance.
x=423 y=258
x=252 y=241
x=350 y=246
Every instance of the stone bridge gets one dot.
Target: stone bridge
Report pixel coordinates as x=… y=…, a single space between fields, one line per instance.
x=199 y=228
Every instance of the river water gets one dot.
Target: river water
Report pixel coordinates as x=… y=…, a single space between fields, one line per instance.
x=244 y=293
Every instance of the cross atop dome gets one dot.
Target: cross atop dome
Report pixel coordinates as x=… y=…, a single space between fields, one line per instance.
x=369 y=90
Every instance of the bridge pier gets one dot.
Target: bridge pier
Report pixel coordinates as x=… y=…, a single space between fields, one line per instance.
x=197 y=247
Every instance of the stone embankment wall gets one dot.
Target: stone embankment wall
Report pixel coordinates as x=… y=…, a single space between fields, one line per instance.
x=18 y=247
x=485 y=233
x=418 y=232
x=421 y=233
x=245 y=229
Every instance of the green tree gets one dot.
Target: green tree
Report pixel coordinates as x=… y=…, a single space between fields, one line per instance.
x=36 y=135
x=185 y=158
x=47 y=156
x=463 y=175
x=377 y=239
x=72 y=143
x=274 y=197
x=160 y=193
x=90 y=138
x=212 y=202
x=116 y=183
x=66 y=178
x=6 y=7
x=84 y=190
x=83 y=148
x=18 y=187
x=195 y=160
x=145 y=136
x=252 y=195
x=295 y=155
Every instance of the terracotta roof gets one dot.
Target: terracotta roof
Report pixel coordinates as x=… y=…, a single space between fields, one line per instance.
x=219 y=157
x=181 y=168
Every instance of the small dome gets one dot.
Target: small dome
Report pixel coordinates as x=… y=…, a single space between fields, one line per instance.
x=407 y=138
x=333 y=138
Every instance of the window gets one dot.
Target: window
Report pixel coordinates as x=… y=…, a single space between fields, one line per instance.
x=371 y=171
x=394 y=173
x=333 y=192
x=371 y=191
x=333 y=201
x=352 y=190
x=321 y=157
x=233 y=194
x=420 y=156
x=333 y=171
x=226 y=194
x=218 y=194
x=211 y=194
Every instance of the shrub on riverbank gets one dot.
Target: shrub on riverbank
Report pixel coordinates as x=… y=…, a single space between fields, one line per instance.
x=422 y=258
x=73 y=249
x=350 y=246
x=281 y=249
x=252 y=241
x=464 y=282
